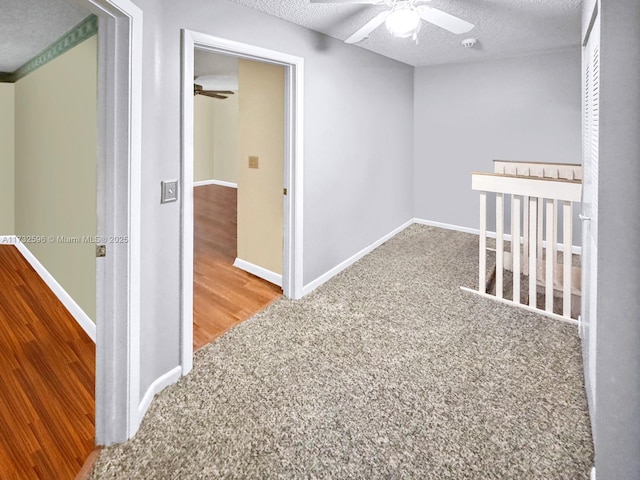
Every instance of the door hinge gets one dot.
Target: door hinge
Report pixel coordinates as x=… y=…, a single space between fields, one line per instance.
x=284 y=191
x=101 y=251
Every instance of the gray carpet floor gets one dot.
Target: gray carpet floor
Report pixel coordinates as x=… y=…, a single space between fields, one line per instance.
x=388 y=371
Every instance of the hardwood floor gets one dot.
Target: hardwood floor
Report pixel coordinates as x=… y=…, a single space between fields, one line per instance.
x=47 y=379
x=223 y=294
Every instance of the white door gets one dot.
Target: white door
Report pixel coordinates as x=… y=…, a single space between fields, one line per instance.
x=591 y=96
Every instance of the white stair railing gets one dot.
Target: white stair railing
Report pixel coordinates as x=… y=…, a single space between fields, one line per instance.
x=536 y=192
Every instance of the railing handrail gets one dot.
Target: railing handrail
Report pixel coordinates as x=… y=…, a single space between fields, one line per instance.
x=543 y=187
x=570 y=171
x=539 y=163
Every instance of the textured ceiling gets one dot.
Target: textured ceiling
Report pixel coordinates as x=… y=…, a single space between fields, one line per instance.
x=503 y=28
x=27 y=27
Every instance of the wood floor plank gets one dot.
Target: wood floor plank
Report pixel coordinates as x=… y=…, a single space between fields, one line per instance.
x=47 y=379
x=223 y=294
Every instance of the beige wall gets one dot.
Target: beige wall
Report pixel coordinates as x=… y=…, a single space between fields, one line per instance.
x=261 y=133
x=225 y=139
x=215 y=139
x=7 y=158
x=55 y=170
x=203 y=138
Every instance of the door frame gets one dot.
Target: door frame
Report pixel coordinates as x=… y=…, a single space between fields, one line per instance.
x=293 y=170
x=119 y=161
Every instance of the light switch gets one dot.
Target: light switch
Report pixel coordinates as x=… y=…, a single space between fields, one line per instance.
x=253 y=162
x=169 y=191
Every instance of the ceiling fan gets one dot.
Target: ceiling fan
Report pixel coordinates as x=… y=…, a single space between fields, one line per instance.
x=198 y=90
x=404 y=18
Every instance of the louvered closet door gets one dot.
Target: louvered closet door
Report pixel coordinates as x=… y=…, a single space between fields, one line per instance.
x=591 y=116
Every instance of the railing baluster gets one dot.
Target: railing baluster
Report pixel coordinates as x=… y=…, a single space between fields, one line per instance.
x=499 y=244
x=567 y=258
x=552 y=240
x=539 y=243
x=482 y=273
x=525 y=236
x=533 y=238
x=515 y=246
x=536 y=199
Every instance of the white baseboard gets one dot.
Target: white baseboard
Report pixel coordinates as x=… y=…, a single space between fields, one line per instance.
x=574 y=248
x=267 y=275
x=74 y=309
x=593 y=474
x=311 y=286
x=446 y=226
x=215 y=182
x=172 y=376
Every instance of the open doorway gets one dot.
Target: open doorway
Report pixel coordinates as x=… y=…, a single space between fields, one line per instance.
x=290 y=177
x=89 y=291
x=237 y=247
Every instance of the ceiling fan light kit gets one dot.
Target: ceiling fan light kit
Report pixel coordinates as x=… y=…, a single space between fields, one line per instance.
x=403 y=22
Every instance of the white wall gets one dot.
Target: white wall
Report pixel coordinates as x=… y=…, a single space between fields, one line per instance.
x=358 y=151
x=467 y=115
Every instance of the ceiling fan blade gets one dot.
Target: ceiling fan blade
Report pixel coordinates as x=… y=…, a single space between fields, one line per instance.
x=444 y=20
x=354 y=2
x=220 y=92
x=212 y=95
x=369 y=27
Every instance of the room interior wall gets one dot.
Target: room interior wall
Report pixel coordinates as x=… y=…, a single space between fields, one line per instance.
x=467 y=115
x=203 y=133
x=7 y=158
x=215 y=142
x=55 y=168
x=358 y=151
x=225 y=145
x=261 y=134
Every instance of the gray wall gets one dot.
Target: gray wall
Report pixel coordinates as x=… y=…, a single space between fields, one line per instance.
x=357 y=163
x=466 y=115
x=618 y=327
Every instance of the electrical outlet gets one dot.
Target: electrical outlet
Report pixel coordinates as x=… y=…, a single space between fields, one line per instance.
x=253 y=162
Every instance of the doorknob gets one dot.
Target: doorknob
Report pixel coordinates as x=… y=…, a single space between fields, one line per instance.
x=583 y=217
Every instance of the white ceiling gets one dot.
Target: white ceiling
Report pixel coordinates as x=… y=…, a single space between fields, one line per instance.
x=27 y=27
x=504 y=28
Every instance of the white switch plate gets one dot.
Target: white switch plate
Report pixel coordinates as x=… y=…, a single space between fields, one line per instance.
x=169 y=191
